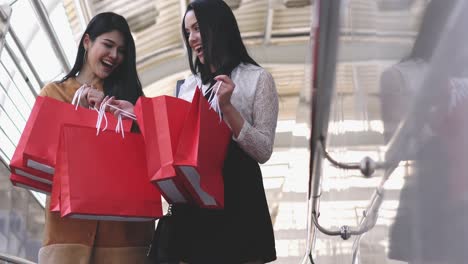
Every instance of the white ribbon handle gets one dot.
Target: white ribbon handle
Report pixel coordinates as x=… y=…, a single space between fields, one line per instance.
x=119 y=127
x=77 y=97
x=123 y=112
x=214 y=101
x=76 y=102
x=101 y=115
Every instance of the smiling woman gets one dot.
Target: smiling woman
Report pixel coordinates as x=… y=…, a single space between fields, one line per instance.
x=242 y=232
x=105 y=65
x=192 y=31
x=104 y=55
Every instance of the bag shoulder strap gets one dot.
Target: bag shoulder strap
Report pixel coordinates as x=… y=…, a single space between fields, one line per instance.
x=179 y=83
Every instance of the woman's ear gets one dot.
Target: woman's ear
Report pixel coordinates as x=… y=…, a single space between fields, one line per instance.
x=86 y=41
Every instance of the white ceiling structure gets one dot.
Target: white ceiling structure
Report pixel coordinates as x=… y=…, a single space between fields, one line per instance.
x=277 y=34
x=373 y=35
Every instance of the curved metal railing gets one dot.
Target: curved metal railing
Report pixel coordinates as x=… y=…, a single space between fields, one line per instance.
x=14 y=260
x=321 y=101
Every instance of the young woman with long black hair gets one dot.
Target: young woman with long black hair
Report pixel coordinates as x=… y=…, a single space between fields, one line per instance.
x=242 y=232
x=105 y=65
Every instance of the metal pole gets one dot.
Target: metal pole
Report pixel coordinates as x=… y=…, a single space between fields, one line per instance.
x=5 y=13
x=12 y=143
x=47 y=26
x=4 y=162
x=14 y=83
x=22 y=72
x=22 y=50
x=2 y=109
x=14 y=260
x=323 y=92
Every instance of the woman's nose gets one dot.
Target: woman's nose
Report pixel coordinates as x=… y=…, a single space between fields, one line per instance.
x=114 y=53
x=191 y=37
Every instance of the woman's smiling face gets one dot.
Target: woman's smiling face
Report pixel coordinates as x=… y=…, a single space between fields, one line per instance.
x=105 y=53
x=193 y=35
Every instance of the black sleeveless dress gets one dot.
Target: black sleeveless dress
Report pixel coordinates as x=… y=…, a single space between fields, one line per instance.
x=239 y=233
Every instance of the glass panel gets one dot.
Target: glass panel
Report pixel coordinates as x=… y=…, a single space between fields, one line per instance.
x=16 y=97
x=399 y=98
x=35 y=41
x=5 y=13
x=371 y=40
x=15 y=59
x=21 y=214
x=21 y=220
x=61 y=25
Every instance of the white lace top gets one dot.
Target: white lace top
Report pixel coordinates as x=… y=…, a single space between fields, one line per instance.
x=256 y=98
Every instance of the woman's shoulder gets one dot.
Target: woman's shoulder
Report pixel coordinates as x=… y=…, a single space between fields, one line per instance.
x=252 y=72
x=192 y=78
x=248 y=67
x=60 y=90
x=187 y=88
x=51 y=87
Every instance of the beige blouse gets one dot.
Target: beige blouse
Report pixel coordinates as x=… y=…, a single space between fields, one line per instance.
x=256 y=98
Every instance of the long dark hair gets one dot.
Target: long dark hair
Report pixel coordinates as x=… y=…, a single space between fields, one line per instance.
x=123 y=83
x=221 y=39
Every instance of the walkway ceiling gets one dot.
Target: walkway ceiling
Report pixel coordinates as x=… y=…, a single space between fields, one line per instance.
x=277 y=34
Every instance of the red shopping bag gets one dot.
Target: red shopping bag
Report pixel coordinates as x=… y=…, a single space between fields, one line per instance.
x=30 y=184
x=42 y=130
x=22 y=176
x=54 y=205
x=201 y=152
x=161 y=120
x=103 y=177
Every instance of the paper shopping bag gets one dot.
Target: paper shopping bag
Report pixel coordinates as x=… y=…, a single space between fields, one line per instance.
x=161 y=120
x=104 y=177
x=42 y=130
x=54 y=205
x=22 y=176
x=30 y=184
x=201 y=152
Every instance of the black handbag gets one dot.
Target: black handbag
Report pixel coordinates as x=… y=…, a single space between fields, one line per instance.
x=160 y=249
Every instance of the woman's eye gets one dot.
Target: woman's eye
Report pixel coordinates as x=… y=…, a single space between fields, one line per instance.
x=108 y=45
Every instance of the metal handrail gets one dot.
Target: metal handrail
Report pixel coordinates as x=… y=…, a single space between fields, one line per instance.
x=321 y=103
x=27 y=60
x=14 y=260
x=397 y=146
x=325 y=66
x=367 y=222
